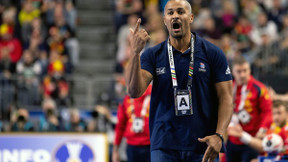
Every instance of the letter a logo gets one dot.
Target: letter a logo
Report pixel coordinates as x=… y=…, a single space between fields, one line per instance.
x=183 y=102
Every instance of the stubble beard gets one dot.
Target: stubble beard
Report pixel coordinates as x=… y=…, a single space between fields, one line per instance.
x=177 y=35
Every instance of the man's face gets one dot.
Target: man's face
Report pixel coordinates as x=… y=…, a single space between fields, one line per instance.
x=241 y=73
x=177 y=18
x=279 y=115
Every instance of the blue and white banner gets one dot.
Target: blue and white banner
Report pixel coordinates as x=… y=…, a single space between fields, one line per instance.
x=53 y=147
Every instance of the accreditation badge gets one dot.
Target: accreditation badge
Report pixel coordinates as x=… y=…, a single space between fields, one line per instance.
x=244 y=117
x=183 y=102
x=138 y=125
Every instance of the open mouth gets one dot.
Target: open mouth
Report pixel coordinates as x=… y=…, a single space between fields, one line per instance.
x=176 y=26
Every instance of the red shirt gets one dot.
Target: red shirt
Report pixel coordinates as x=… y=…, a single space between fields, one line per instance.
x=125 y=119
x=14 y=48
x=284 y=135
x=257 y=104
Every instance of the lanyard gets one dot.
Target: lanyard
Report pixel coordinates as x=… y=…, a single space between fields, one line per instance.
x=243 y=96
x=145 y=105
x=172 y=65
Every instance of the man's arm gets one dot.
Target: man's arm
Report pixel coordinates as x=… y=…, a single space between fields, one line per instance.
x=119 y=131
x=237 y=131
x=265 y=105
x=137 y=79
x=224 y=93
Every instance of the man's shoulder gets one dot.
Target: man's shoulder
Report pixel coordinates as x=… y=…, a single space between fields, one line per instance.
x=206 y=44
x=209 y=49
x=256 y=83
x=156 y=48
x=259 y=86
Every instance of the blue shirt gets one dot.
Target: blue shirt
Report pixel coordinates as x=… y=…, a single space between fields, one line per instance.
x=167 y=130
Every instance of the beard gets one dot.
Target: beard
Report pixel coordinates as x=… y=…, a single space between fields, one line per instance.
x=177 y=35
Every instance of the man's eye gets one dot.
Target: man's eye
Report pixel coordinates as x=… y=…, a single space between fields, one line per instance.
x=170 y=13
x=180 y=12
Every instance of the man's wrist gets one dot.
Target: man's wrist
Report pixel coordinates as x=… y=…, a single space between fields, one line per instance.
x=220 y=136
x=245 y=138
x=115 y=147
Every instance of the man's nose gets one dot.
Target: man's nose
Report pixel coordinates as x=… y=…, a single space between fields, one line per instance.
x=175 y=15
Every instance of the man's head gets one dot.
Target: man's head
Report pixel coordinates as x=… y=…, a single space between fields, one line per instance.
x=178 y=17
x=280 y=112
x=241 y=70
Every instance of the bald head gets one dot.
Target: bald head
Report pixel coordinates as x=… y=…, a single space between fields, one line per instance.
x=186 y=3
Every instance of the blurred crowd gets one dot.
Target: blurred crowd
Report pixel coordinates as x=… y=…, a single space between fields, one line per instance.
x=51 y=119
x=38 y=49
x=255 y=29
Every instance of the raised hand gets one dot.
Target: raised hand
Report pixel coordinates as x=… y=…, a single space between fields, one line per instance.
x=138 y=38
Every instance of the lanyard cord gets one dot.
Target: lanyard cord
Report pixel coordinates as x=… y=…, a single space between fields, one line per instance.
x=172 y=65
x=243 y=96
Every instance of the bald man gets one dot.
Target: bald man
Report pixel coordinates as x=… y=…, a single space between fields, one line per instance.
x=191 y=101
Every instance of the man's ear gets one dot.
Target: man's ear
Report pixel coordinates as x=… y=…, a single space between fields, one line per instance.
x=164 y=20
x=192 y=18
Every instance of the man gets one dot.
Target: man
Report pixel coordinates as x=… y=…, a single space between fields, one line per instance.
x=279 y=126
x=252 y=110
x=133 y=123
x=189 y=113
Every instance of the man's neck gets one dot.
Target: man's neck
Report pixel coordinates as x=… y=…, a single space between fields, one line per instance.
x=181 y=44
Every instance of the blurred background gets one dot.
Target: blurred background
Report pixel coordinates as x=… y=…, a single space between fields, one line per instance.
x=62 y=61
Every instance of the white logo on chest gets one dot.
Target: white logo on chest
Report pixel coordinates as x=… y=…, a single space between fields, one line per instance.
x=202 y=67
x=160 y=70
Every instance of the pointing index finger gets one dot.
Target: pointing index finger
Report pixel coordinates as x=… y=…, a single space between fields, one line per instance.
x=137 y=25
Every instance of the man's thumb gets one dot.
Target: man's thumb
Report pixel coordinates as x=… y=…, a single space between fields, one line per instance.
x=202 y=140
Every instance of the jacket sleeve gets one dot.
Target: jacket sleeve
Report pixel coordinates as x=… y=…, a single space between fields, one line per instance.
x=265 y=105
x=121 y=123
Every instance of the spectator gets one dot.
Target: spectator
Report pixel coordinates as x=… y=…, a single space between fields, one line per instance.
x=242 y=32
x=76 y=124
x=67 y=35
x=228 y=16
x=28 y=13
x=71 y=15
x=252 y=111
x=55 y=84
x=56 y=43
x=251 y=9
x=276 y=13
x=57 y=89
x=101 y=121
x=279 y=126
x=20 y=121
x=229 y=47
x=209 y=30
x=124 y=9
x=133 y=121
x=33 y=29
x=266 y=57
x=28 y=71
x=49 y=122
x=264 y=26
x=9 y=45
